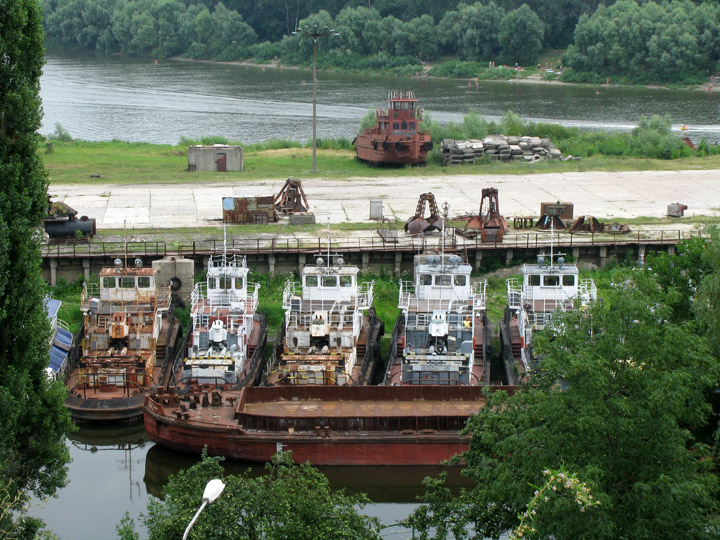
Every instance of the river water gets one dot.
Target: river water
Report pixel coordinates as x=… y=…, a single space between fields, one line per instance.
x=111 y=97
x=117 y=469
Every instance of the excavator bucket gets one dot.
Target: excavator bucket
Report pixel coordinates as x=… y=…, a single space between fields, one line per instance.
x=418 y=223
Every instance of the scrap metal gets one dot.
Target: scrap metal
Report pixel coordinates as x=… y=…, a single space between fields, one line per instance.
x=418 y=223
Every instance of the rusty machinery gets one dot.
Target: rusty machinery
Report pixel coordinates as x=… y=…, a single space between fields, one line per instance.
x=592 y=225
x=291 y=198
x=62 y=222
x=488 y=223
x=418 y=223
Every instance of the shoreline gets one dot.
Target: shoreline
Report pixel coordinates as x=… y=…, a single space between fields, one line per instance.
x=530 y=79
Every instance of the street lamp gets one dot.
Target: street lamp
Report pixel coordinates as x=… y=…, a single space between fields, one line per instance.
x=315 y=32
x=213 y=489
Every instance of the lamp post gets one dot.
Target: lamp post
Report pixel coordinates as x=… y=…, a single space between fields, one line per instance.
x=315 y=32
x=213 y=489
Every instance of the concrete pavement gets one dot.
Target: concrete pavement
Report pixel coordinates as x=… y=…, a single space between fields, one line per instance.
x=606 y=195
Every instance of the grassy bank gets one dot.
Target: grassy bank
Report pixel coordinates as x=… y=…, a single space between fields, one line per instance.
x=79 y=162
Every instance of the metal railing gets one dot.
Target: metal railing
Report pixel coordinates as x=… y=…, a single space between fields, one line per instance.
x=372 y=242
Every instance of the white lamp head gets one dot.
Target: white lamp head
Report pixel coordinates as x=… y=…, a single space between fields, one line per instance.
x=213 y=490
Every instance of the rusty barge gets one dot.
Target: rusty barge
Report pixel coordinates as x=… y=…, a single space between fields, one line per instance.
x=396 y=137
x=323 y=425
x=127 y=345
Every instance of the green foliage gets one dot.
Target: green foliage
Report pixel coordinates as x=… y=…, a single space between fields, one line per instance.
x=647 y=42
x=60 y=134
x=633 y=393
x=521 y=36
x=289 y=501
x=33 y=454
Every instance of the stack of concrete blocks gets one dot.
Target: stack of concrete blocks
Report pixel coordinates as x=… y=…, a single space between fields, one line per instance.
x=501 y=147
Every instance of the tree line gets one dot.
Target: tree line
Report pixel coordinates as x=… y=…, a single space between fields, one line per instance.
x=629 y=41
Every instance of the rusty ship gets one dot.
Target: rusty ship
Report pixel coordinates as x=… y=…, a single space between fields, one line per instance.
x=546 y=288
x=127 y=345
x=442 y=334
x=331 y=333
x=322 y=425
x=396 y=137
x=225 y=346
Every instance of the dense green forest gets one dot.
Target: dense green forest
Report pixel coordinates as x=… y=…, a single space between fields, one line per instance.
x=630 y=41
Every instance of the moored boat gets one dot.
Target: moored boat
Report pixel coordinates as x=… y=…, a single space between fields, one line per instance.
x=331 y=333
x=396 y=137
x=323 y=425
x=548 y=287
x=127 y=345
x=442 y=334
x=226 y=343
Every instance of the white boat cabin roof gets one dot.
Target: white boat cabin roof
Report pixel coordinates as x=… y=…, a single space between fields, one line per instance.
x=436 y=275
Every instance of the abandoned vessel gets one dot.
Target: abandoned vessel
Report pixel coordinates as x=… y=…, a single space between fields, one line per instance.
x=331 y=333
x=225 y=346
x=323 y=425
x=442 y=334
x=127 y=345
x=396 y=136
x=548 y=287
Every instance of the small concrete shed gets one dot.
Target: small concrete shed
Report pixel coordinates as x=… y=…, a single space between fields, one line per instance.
x=218 y=157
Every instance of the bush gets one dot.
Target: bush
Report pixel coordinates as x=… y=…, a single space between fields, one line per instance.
x=60 y=134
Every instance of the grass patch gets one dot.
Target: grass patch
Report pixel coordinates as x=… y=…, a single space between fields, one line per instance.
x=76 y=162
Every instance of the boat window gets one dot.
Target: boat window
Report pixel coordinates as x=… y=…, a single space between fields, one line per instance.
x=127 y=282
x=412 y=125
x=239 y=282
x=212 y=284
x=425 y=279
x=346 y=281
x=329 y=281
x=534 y=280
x=395 y=114
x=396 y=125
x=551 y=281
x=311 y=281
x=460 y=281
x=109 y=282
x=144 y=282
x=404 y=125
x=443 y=280
x=224 y=282
x=568 y=280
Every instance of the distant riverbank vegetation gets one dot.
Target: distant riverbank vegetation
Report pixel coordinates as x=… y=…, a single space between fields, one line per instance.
x=673 y=42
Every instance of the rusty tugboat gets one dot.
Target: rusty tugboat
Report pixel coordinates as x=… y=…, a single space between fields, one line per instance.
x=316 y=411
x=225 y=347
x=396 y=138
x=442 y=334
x=331 y=333
x=127 y=345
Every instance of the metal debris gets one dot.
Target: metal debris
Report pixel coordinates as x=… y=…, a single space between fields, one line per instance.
x=418 y=223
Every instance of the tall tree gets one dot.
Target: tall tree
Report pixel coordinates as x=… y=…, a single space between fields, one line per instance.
x=621 y=393
x=33 y=420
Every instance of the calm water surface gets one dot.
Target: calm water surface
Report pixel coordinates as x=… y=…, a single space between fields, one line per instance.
x=117 y=470
x=108 y=97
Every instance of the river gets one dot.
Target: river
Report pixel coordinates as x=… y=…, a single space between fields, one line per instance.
x=117 y=469
x=102 y=98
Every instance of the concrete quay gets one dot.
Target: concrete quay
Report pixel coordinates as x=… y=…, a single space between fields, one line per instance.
x=605 y=195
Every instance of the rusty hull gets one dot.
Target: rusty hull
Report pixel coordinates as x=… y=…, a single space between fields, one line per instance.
x=324 y=425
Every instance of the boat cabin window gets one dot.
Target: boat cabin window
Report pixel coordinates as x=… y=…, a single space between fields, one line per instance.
x=311 y=281
x=109 y=282
x=127 y=282
x=460 y=281
x=425 y=279
x=412 y=125
x=568 y=280
x=443 y=280
x=238 y=283
x=534 y=280
x=396 y=125
x=144 y=282
x=551 y=281
x=212 y=283
x=346 y=281
x=329 y=281
x=404 y=125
